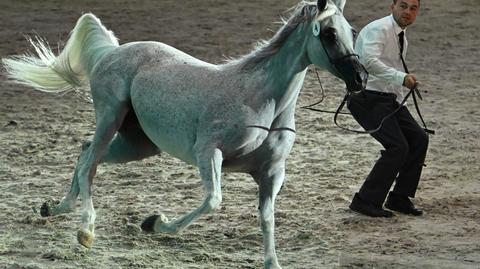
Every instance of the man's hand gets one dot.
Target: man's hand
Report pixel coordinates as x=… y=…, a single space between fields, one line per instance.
x=410 y=81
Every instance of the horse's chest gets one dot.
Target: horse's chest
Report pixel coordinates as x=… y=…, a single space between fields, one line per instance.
x=278 y=144
x=254 y=142
x=265 y=148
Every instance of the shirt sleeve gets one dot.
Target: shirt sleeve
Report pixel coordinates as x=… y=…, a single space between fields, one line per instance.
x=370 y=47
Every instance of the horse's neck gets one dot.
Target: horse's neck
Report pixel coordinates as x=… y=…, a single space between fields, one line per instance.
x=285 y=71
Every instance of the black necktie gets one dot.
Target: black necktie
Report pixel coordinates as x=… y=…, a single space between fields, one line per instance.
x=401 y=40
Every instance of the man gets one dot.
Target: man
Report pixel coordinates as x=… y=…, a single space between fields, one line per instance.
x=382 y=48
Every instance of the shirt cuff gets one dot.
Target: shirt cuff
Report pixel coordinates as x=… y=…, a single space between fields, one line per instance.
x=399 y=78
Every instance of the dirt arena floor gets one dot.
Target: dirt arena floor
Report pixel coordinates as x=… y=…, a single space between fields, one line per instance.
x=41 y=135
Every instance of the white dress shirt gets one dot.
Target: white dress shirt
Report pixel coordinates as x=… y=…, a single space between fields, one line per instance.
x=379 y=50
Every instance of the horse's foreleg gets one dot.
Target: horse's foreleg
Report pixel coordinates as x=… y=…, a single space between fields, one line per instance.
x=210 y=164
x=270 y=181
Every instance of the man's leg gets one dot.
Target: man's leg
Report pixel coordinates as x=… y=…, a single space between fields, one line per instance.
x=369 y=110
x=409 y=174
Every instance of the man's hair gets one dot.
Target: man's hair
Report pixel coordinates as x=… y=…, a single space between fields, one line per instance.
x=395 y=1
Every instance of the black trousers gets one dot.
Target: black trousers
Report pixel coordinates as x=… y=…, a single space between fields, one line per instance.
x=405 y=146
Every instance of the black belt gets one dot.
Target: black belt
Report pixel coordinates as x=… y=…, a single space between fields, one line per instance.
x=380 y=93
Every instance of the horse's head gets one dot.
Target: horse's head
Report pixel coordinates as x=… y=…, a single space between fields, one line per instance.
x=331 y=45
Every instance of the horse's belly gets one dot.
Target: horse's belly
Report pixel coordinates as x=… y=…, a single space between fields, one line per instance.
x=167 y=125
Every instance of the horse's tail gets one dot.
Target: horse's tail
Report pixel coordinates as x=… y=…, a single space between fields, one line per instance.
x=87 y=43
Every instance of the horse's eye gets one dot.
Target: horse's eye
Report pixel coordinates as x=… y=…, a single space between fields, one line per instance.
x=330 y=34
x=354 y=34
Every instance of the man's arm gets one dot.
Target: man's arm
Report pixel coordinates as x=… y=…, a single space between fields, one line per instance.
x=370 y=47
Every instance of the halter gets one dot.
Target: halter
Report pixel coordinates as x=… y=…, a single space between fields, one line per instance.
x=339 y=60
x=335 y=62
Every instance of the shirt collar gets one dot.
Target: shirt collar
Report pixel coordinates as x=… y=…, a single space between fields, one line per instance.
x=396 y=27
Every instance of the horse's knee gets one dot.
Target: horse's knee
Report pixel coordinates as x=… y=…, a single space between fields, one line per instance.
x=266 y=213
x=85 y=146
x=267 y=224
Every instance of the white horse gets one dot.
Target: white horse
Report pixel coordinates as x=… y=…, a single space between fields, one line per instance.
x=150 y=97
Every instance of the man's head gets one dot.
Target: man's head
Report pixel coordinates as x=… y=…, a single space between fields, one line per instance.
x=405 y=11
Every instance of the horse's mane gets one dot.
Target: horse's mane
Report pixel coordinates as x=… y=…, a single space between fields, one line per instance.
x=302 y=12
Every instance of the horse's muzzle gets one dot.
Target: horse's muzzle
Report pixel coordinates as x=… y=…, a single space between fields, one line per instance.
x=353 y=73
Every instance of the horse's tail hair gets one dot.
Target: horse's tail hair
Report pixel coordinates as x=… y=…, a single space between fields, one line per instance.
x=88 y=42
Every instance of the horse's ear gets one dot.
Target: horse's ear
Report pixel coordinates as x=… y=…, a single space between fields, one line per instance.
x=340 y=4
x=321 y=4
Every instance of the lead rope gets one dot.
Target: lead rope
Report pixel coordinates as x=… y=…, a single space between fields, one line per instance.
x=345 y=100
x=417 y=107
x=310 y=107
x=415 y=92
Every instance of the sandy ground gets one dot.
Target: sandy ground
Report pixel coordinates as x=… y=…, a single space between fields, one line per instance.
x=41 y=134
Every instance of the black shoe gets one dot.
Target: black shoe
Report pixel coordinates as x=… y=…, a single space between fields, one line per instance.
x=367 y=208
x=401 y=204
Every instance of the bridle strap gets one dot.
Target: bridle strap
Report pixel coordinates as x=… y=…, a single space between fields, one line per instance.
x=311 y=106
x=417 y=107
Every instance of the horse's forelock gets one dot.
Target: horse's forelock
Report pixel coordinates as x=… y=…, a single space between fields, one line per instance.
x=330 y=10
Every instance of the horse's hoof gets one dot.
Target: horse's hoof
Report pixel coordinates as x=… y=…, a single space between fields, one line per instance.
x=148 y=225
x=272 y=266
x=46 y=209
x=85 y=238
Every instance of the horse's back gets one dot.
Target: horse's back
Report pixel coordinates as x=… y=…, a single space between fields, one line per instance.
x=131 y=58
x=159 y=53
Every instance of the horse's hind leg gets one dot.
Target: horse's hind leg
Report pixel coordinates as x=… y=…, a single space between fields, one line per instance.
x=210 y=165
x=67 y=204
x=111 y=102
x=108 y=121
x=130 y=143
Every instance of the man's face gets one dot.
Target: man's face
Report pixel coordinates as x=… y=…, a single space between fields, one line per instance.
x=405 y=11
